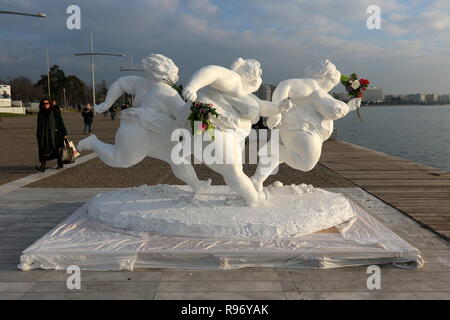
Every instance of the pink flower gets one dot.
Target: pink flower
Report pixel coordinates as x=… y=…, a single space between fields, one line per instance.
x=202 y=127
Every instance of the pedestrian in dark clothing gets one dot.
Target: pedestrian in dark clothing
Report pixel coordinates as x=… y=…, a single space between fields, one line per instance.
x=56 y=105
x=112 y=111
x=88 y=118
x=51 y=133
x=79 y=107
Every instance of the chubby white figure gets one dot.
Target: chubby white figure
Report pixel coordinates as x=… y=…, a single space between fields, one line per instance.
x=145 y=129
x=230 y=92
x=305 y=127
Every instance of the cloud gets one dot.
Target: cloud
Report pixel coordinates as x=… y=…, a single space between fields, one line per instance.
x=286 y=36
x=203 y=8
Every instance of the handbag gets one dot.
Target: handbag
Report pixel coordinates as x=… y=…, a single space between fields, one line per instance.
x=67 y=156
x=76 y=154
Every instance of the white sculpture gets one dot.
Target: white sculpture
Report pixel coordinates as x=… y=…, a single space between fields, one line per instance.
x=230 y=93
x=304 y=128
x=145 y=130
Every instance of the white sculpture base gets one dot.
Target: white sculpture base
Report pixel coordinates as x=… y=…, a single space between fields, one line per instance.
x=170 y=210
x=91 y=244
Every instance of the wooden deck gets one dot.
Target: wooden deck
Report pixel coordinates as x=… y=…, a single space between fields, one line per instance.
x=419 y=191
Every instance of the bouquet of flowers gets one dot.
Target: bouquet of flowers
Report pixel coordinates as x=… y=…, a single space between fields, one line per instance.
x=355 y=87
x=200 y=112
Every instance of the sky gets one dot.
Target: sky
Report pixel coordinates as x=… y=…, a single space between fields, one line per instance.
x=409 y=54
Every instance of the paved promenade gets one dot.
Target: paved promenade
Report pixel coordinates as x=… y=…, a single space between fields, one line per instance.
x=27 y=213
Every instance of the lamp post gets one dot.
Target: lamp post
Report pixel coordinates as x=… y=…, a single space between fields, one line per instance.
x=38 y=15
x=131 y=70
x=65 y=98
x=48 y=76
x=92 y=54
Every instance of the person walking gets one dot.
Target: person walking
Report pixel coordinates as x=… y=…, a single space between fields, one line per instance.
x=56 y=105
x=51 y=133
x=88 y=118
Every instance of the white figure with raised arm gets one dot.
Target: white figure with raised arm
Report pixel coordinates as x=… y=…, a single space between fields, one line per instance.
x=145 y=129
x=305 y=127
x=230 y=93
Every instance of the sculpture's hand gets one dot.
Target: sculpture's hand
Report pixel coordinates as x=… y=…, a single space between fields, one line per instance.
x=354 y=104
x=99 y=108
x=190 y=94
x=285 y=105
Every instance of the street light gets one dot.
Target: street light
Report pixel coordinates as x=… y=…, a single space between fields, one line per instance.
x=131 y=69
x=39 y=15
x=92 y=54
x=65 y=98
x=48 y=76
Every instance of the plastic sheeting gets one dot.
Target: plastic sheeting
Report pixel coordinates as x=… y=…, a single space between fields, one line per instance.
x=92 y=245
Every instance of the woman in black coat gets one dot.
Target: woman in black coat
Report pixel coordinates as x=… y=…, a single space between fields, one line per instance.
x=51 y=133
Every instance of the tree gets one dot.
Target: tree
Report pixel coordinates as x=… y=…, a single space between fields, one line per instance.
x=57 y=82
x=101 y=91
x=23 y=89
x=75 y=88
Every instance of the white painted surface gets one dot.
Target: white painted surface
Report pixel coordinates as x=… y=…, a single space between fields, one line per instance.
x=219 y=212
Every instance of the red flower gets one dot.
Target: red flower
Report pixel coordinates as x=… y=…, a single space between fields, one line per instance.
x=360 y=95
x=364 y=82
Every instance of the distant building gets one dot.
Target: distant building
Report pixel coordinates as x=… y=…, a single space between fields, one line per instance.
x=373 y=94
x=431 y=98
x=444 y=98
x=5 y=95
x=392 y=99
x=415 y=98
x=265 y=91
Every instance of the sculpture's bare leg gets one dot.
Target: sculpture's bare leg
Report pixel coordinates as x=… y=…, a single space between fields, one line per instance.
x=291 y=143
x=310 y=145
x=264 y=171
x=238 y=181
x=131 y=146
x=231 y=168
x=185 y=172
